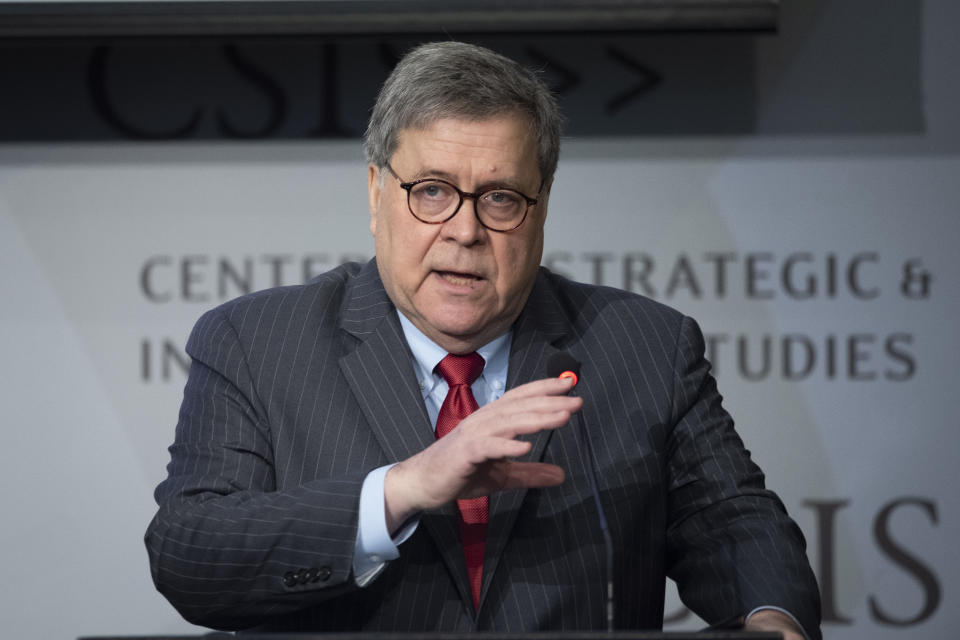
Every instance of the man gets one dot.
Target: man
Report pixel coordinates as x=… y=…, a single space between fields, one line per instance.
x=308 y=489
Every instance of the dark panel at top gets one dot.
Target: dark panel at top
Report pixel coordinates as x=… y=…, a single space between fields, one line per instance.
x=381 y=17
x=306 y=88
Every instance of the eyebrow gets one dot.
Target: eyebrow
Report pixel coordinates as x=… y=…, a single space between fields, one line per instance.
x=503 y=183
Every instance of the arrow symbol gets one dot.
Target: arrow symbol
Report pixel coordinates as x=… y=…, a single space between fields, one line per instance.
x=648 y=79
x=568 y=78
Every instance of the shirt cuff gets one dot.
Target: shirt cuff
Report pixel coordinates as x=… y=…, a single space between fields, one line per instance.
x=783 y=611
x=374 y=546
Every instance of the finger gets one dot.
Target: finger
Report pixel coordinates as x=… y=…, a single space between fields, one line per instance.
x=532 y=475
x=538 y=403
x=508 y=474
x=512 y=421
x=527 y=423
x=547 y=386
x=496 y=449
x=504 y=412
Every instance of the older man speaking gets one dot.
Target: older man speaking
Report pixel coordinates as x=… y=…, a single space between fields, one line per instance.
x=383 y=448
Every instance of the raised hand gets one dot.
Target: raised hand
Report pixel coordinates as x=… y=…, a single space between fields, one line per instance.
x=475 y=459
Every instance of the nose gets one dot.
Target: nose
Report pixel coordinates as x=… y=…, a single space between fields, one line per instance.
x=465 y=227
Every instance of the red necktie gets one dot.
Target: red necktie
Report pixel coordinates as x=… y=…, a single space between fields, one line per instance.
x=460 y=372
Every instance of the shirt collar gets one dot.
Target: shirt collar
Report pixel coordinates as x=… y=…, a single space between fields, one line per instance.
x=427 y=355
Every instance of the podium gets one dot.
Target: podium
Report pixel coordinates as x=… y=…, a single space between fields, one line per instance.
x=539 y=635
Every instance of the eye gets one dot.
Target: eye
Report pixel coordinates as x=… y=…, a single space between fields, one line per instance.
x=501 y=198
x=433 y=190
x=432 y=200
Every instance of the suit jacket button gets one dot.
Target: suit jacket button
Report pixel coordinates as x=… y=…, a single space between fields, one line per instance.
x=311 y=575
x=323 y=574
x=289 y=579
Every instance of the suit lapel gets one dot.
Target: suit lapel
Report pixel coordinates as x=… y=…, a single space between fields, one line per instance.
x=380 y=371
x=381 y=376
x=535 y=333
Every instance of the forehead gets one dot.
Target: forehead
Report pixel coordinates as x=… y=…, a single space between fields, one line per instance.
x=501 y=145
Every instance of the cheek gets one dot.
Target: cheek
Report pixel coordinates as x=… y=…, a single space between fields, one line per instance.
x=518 y=264
x=532 y=250
x=391 y=235
x=403 y=247
x=381 y=238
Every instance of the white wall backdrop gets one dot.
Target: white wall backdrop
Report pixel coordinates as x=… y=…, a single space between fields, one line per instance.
x=822 y=266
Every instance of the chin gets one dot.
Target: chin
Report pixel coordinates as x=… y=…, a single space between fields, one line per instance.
x=456 y=326
x=458 y=330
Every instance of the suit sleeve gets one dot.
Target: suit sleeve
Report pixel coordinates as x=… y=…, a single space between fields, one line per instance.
x=226 y=548
x=731 y=545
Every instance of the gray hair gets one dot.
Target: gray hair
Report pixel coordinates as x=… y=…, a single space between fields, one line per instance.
x=458 y=80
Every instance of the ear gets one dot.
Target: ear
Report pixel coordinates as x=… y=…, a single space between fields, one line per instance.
x=373 y=191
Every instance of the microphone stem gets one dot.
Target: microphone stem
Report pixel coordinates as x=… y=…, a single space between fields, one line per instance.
x=591 y=467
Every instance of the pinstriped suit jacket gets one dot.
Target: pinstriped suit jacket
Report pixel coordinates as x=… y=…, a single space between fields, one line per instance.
x=296 y=393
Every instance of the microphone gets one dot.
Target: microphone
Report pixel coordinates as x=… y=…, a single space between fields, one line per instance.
x=563 y=365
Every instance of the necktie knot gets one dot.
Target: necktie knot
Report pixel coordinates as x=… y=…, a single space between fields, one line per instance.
x=461 y=370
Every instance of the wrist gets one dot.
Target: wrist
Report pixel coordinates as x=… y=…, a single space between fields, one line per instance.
x=397 y=505
x=774 y=620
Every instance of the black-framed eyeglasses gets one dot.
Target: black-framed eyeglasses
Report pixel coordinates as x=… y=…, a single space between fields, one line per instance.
x=435 y=201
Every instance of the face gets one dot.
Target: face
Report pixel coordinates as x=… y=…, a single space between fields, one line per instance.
x=461 y=284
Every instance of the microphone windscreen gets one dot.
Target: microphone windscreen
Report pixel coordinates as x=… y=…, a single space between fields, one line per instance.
x=560 y=362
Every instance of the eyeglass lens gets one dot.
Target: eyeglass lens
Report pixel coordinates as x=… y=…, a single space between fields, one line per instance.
x=436 y=200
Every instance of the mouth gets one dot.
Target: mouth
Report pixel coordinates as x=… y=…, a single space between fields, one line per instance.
x=459 y=278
